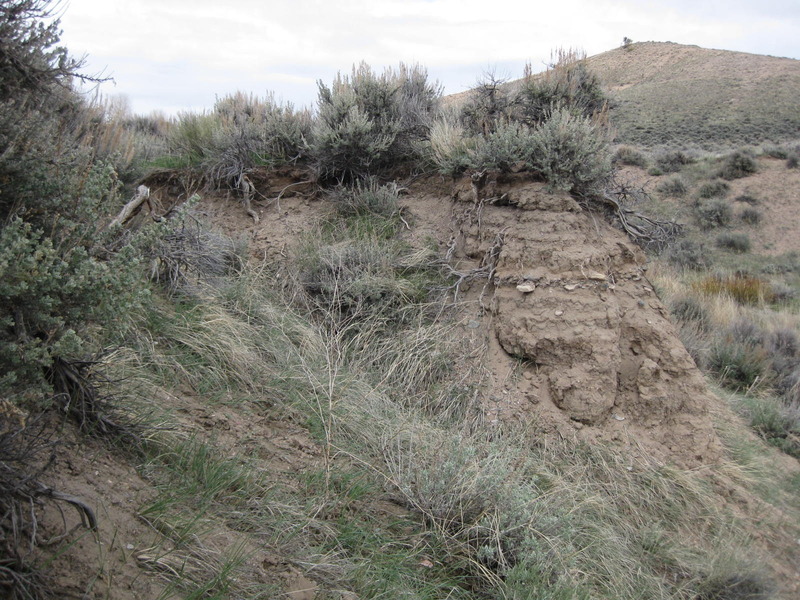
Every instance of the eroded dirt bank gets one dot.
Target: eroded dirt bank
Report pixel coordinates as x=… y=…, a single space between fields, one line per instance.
x=576 y=338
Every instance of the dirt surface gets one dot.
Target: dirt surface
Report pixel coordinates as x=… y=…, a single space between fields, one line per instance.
x=126 y=558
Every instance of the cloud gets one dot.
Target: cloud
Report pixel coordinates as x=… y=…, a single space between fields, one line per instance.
x=179 y=49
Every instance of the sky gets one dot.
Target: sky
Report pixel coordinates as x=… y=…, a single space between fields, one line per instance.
x=175 y=56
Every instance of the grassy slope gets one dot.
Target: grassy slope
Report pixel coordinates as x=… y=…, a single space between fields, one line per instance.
x=666 y=94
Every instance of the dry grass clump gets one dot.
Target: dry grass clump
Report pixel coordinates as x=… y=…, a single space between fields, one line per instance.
x=738 y=243
x=713 y=189
x=745 y=289
x=626 y=155
x=674 y=186
x=751 y=216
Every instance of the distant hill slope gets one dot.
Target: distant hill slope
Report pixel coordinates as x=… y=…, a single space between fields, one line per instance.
x=666 y=94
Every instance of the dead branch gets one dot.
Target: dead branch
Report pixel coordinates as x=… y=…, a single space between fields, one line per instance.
x=277 y=199
x=142 y=195
x=645 y=231
x=247 y=189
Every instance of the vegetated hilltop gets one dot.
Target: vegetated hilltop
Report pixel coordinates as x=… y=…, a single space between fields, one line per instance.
x=666 y=94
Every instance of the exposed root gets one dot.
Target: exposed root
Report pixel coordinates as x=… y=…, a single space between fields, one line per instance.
x=25 y=455
x=644 y=230
x=486 y=271
x=80 y=398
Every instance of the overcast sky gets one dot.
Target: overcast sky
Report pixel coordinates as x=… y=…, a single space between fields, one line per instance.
x=177 y=55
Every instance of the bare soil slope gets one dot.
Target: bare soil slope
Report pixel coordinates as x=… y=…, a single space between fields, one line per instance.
x=592 y=349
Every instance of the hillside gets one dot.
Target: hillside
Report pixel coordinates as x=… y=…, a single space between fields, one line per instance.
x=380 y=350
x=665 y=94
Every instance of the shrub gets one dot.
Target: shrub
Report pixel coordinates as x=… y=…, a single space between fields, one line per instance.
x=488 y=105
x=687 y=254
x=62 y=283
x=49 y=294
x=655 y=171
x=183 y=253
x=566 y=84
x=713 y=213
x=58 y=276
x=672 y=162
x=570 y=153
x=626 y=155
x=508 y=145
x=775 y=151
x=792 y=161
x=738 y=165
x=747 y=199
x=751 y=216
x=242 y=132
x=739 y=365
x=714 y=189
x=674 y=186
x=368 y=123
x=366 y=197
x=735 y=242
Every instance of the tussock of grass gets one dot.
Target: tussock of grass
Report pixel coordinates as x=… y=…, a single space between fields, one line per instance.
x=745 y=289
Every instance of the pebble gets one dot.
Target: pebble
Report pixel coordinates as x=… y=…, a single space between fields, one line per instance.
x=526 y=288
